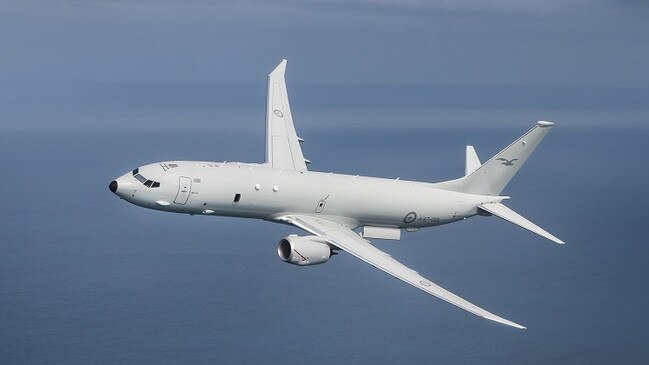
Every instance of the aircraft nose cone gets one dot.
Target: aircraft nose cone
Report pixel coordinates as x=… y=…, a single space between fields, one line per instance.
x=113 y=186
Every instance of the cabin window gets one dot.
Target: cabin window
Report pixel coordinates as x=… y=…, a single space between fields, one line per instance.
x=155 y=184
x=237 y=197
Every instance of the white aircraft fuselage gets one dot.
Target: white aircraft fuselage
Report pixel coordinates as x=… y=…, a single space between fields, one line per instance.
x=330 y=206
x=250 y=190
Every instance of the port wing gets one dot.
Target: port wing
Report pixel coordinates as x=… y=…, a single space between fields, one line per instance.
x=349 y=241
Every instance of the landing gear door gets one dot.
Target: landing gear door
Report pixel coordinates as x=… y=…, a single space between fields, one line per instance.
x=184 y=189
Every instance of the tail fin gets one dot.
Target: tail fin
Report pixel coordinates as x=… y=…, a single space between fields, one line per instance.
x=492 y=177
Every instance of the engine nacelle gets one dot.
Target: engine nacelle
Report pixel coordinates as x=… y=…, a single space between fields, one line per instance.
x=308 y=250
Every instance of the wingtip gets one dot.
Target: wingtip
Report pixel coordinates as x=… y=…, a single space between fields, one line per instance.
x=501 y=320
x=545 y=123
x=513 y=324
x=508 y=323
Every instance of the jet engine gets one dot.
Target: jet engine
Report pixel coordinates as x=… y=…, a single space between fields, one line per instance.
x=308 y=250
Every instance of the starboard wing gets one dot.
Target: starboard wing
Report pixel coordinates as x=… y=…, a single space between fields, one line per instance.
x=283 y=149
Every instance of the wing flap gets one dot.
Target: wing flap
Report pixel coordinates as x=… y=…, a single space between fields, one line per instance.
x=347 y=240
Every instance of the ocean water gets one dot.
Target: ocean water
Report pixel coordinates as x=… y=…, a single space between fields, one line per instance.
x=87 y=278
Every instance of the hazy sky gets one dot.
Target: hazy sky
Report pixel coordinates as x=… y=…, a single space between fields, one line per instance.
x=119 y=64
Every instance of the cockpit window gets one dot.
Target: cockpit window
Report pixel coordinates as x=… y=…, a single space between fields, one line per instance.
x=146 y=182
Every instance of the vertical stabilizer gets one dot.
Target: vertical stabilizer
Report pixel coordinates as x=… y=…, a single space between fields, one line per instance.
x=492 y=177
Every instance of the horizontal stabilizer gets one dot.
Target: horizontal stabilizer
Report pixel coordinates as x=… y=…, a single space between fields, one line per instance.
x=472 y=161
x=509 y=215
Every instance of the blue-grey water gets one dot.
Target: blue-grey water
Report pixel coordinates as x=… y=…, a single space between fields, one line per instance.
x=87 y=278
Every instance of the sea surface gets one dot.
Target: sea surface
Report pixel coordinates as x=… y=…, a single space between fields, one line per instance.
x=88 y=278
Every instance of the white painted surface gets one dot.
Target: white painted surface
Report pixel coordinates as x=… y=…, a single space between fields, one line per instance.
x=330 y=205
x=381 y=233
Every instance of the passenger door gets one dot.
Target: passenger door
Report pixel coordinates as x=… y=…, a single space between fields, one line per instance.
x=184 y=189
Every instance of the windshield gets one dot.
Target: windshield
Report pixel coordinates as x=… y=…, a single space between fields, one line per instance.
x=146 y=182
